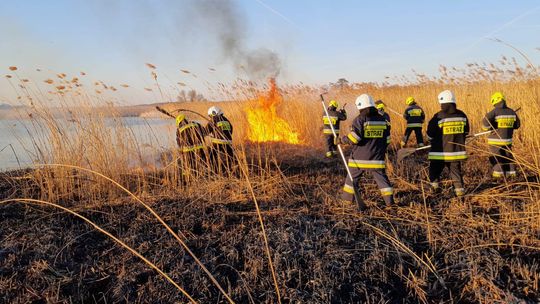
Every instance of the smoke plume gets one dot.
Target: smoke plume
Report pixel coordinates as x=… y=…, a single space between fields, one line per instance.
x=224 y=19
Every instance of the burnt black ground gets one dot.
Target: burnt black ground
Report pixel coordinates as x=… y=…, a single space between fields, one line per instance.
x=323 y=253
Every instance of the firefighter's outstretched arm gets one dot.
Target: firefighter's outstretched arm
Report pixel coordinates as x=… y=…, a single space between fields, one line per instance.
x=487 y=122
x=353 y=137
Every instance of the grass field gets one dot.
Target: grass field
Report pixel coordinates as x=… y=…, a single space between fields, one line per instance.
x=274 y=230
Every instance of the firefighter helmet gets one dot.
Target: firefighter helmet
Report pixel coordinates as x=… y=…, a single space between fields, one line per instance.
x=379 y=104
x=497 y=97
x=410 y=100
x=364 y=101
x=179 y=119
x=446 y=97
x=213 y=111
x=334 y=103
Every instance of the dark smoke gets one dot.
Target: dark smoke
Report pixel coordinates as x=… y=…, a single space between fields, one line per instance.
x=224 y=19
x=262 y=63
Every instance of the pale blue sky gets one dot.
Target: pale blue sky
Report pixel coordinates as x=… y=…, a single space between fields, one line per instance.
x=317 y=41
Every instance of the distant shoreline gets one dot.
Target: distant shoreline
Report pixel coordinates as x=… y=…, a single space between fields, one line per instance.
x=143 y=111
x=20 y=112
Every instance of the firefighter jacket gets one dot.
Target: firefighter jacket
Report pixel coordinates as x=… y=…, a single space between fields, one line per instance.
x=414 y=115
x=335 y=118
x=220 y=130
x=503 y=121
x=190 y=137
x=447 y=131
x=369 y=136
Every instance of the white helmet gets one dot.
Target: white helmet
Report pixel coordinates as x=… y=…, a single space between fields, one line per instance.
x=213 y=111
x=364 y=101
x=446 y=97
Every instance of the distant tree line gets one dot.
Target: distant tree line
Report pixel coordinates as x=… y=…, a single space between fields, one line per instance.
x=191 y=96
x=341 y=84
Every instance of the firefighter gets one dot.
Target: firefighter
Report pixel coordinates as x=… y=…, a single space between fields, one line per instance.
x=503 y=121
x=190 y=140
x=379 y=104
x=369 y=138
x=414 y=116
x=447 y=131
x=334 y=119
x=219 y=131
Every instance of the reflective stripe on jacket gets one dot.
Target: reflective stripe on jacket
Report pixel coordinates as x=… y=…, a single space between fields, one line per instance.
x=414 y=116
x=448 y=156
x=191 y=148
x=447 y=132
x=220 y=141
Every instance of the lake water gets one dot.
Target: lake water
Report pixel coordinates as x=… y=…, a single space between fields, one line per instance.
x=17 y=150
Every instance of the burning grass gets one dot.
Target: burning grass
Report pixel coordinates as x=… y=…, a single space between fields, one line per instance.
x=272 y=229
x=265 y=125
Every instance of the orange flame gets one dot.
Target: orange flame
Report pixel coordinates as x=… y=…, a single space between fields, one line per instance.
x=264 y=123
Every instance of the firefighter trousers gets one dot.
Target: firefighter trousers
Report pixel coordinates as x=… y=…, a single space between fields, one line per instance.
x=380 y=177
x=191 y=164
x=221 y=158
x=331 y=147
x=502 y=161
x=417 y=133
x=436 y=168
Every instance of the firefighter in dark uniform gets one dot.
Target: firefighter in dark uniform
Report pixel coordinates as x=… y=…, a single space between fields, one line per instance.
x=369 y=136
x=190 y=140
x=447 y=131
x=414 y=116
x=220 y=131
x=503 y=121
x=379 y=104
x=336 y=116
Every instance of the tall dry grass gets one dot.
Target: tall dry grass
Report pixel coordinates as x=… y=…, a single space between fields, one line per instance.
x=104 y=143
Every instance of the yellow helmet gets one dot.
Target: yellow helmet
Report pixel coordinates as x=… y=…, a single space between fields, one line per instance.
x=179 y=119
x=410 y=100
x=497 y=97
x=379 y=104
x=334 y=103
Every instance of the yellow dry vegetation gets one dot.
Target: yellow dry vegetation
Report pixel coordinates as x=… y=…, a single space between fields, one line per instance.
x=95 y=159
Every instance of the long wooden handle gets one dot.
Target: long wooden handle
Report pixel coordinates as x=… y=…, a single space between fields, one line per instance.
x=160 y=109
